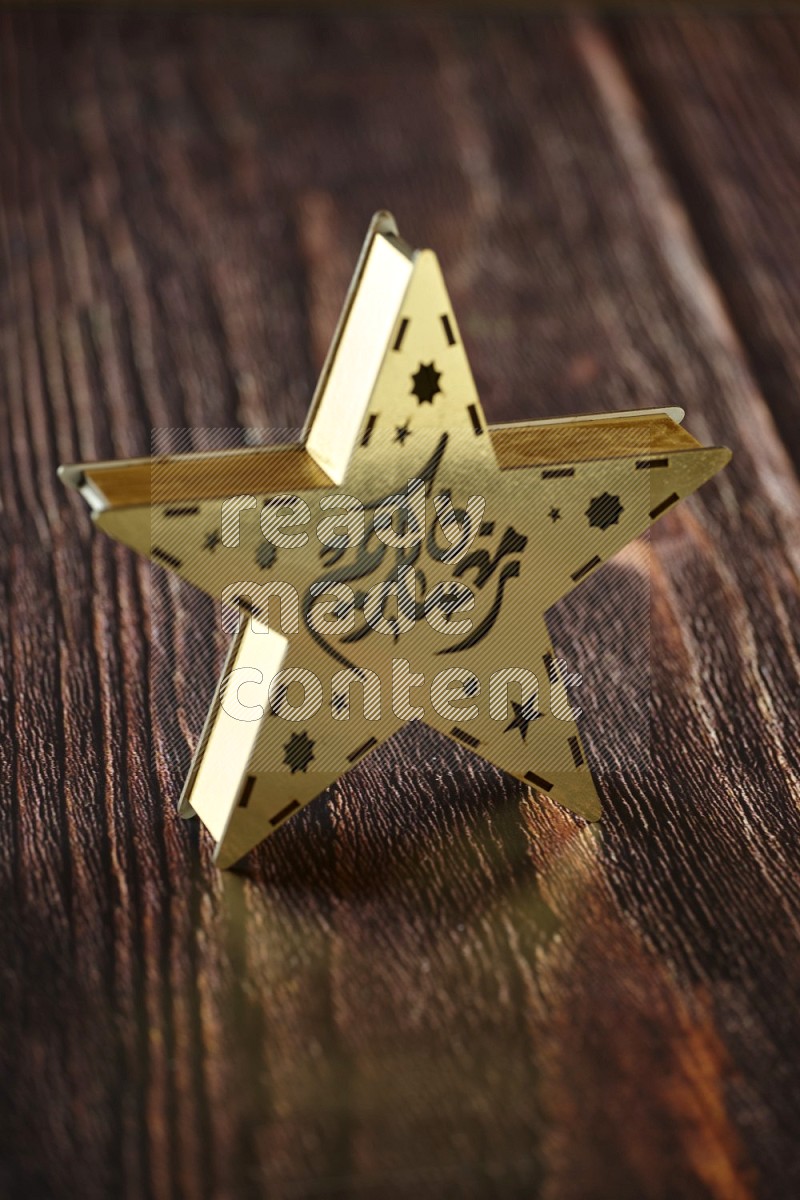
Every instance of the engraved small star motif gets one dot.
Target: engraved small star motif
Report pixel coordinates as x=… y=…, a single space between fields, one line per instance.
x=426 y=383
x=401 y=433
x=555 y=515
x=524 y=714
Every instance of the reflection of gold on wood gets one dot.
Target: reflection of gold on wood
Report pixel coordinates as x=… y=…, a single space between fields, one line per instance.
x=396 y=401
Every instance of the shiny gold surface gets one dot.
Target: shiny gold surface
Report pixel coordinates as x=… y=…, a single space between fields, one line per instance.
x=396 y=402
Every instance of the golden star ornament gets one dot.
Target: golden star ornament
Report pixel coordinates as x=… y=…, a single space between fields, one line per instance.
x=397 y=563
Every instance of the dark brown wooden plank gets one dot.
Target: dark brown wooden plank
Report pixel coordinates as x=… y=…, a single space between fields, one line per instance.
x=379 y=1006
x=721 y=96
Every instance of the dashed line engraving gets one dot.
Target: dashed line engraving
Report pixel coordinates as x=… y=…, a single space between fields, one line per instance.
x=577 y=755
x=244 y=799
x=401 y=333
x=362 y=749
x=291 y=807
x=663 y=506
x=650 y=464
x=169 y=559
x=538 y=782
x=368 y=431
x=586 y=568
x=475 y=419
x=465 y=737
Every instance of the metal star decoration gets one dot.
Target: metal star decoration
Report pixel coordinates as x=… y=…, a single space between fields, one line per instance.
x=387 y=578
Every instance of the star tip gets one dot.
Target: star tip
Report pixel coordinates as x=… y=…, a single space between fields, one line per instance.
x=224 y=858
x=577 y=792
x=588 y=808
x=720 y=457
x=70 y=474
x=384 y=222
x=593 y=813
x=426 y=255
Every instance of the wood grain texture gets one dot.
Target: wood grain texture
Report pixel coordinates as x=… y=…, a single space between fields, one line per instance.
x=432 y=982
x=722 y=100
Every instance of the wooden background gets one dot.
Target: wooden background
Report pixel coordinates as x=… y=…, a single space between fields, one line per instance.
x=433 y=982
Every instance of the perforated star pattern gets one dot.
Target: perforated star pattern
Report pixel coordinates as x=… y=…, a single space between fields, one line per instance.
x=397 y=563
